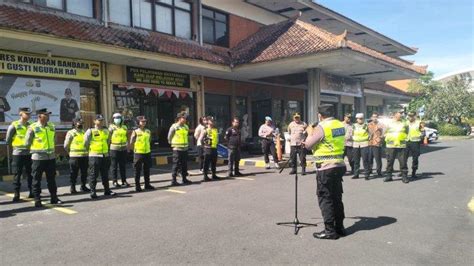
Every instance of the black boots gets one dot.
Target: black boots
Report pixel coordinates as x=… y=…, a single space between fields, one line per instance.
x=16 y=196
x=293 y=171
x=174 y=182
x=413 y=175
x=55 y=200
x=125 y=183
x=326 y=235
x=73 y=189
x=116 y=184
x=303 y=170
x=405 y=179
x=85 y=189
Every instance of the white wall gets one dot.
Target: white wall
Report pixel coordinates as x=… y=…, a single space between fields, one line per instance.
x=373 y=100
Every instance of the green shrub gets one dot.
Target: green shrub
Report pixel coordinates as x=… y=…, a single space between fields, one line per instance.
x=451 y=130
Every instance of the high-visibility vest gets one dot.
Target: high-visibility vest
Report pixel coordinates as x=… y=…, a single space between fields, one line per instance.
x=180 y=138
x=396 y=135
x=414 y=132
x=77 y=148
x=99 y=141
x=18 y=141
x=361 y=133
x=43 y=142
x=142 y=141
x=119 y=136
x=213 y=135
x=331 y=148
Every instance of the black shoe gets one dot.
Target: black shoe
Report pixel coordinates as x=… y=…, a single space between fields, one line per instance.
x=405 y=179
x=341 y=231
x=186 y=181
x=355 y=177
x=379 y=175
x=93 y=195
x=387 y=179
x=367 y=177
x=38 y=204
x=84 y=188
x=413 y=175
x=109 y=193
x=292 y=172
x=149 y=187
x=116 y=184
x=206 y=179
x=56 y=200
x=237 y=173
x=73 y=189
x=230 y=175
x=303 y=171
x=214 y=177
x=175 y=183
x=16 y=197
x=324 y=235
x=125 y=183
x=138 y=188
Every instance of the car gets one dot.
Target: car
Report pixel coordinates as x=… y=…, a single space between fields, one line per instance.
x=432 y=134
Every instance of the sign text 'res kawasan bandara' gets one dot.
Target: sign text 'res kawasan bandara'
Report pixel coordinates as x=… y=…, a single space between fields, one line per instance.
x=53 y=67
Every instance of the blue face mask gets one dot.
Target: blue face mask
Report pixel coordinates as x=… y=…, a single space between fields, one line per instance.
x=117 y=120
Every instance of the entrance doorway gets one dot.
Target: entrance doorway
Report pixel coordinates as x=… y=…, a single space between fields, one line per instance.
x=260 y=109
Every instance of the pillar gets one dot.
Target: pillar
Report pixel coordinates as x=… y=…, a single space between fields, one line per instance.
x=313 y=95
x=360 y=103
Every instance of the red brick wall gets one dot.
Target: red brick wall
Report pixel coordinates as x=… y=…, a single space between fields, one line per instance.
x=240 y=28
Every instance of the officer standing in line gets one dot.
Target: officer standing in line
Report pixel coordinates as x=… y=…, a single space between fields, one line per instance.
x=297 y=132
x=118 y=149
x=268 y=132
x=97 y=143
x=200 y=148
x=74 y=144
x=40 y=138
x=360 y=147
x=21 y=157
x=233 y=137
x=375 y=143
x=140 y=141
x=348 y=140
x=178 y=139
x=415 y=133
x=210 y=139
x=327 y=144
x=395 y=141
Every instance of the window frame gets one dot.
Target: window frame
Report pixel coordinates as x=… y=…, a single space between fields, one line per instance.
x=64 y=9
x=215 y=20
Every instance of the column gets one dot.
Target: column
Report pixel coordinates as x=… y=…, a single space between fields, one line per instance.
x=360 y=104
x=313 y=95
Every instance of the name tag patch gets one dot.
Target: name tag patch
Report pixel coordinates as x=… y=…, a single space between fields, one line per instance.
x=337 y=132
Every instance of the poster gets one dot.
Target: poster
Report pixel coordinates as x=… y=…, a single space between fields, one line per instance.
x=61 y=97
x=340 y=85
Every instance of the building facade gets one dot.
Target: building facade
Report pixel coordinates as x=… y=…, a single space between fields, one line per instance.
x=224 y=58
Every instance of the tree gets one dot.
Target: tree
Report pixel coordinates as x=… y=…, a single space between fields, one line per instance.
x=423 y=90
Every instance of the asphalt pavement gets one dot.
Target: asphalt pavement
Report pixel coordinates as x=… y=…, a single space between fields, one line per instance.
x=234 y=221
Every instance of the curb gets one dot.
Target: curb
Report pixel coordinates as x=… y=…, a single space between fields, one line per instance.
x=9 y=178
x=261 y=163
x=164 y=160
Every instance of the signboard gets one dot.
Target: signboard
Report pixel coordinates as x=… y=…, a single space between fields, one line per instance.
x=52 y=67
x=61 y=97
x=157 y=77
x=340 y=85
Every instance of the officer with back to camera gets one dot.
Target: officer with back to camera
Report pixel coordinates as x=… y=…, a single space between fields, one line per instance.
x=415 y=136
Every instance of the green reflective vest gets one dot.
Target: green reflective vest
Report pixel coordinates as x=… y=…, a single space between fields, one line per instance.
x=99 y=141
x=331 y=148
x=361 y=133
x=396 y=134
x=142 y=141
x=119 y=136
x=213 y=135
x=180 y=138
x=18 y=141
x=414 y=132
x=77 y=148
x=43 y=142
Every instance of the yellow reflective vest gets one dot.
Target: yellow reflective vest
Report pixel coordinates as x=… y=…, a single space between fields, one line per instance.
x=180 y=138
x=18 y=141
x=99 y=141
x=142 y=141
x=331 y=148
x=43 y=141
x=77 y=147
x=213 y=136
x=361 y=133
x=119 y=136
x=414 y=132
x=396 y=134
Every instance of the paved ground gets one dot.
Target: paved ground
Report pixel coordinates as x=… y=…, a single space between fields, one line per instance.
x=234 y=221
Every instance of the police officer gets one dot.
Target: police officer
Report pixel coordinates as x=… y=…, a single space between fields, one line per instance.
x=360 y=146
x=199 y=147
x=74 y=144
x=140 y=141
x=21 y=157
x=327 y=144
x=178 y=139
x=376 y=130
x=233 y=137
x=297 y=132
x=210 y=140
x=118 y=149
x=97 y=143
x=415 y=133
x=267 y=132
x=395 y=140
x=348 y=140
x=40 y=137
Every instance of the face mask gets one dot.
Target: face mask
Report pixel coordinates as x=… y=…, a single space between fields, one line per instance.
x=117 y=120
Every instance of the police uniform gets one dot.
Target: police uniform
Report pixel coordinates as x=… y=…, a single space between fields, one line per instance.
x=211 y=139
x=233 y=138
x=178 y=139
x=142 y=155
x=74 y=144
x=297 y=132
x=41 y=140
x=360 y=149
x=395 y=141
x=118 y=152
x=21 y=157
x=414 y=139
x=97 y=144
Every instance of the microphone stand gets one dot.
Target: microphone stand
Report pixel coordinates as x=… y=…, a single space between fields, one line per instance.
x=296 y=223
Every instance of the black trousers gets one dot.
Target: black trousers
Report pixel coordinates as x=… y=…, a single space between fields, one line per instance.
x=139 y=161
x=76 y=164
x=268 y=146
x=210 y=159
x=413 y=149
x=350 y=158
x=180 y=162
x=21 y=164
x=119 y=161
x=200 y=152
x=297 y=151
x=329 y=191
x=234 y=160
x=99 y=165
x=375 y=153
x=400 y=154
x=357 y=154
x=49 y=168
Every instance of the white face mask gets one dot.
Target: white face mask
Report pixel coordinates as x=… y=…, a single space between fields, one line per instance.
x=117 y=120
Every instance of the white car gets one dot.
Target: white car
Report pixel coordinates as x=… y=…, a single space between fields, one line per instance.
x=431 y=133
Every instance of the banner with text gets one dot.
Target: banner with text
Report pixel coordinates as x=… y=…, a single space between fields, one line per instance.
x=157 y=77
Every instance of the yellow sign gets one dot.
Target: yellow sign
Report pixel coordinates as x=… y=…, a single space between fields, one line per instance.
x=43 y=66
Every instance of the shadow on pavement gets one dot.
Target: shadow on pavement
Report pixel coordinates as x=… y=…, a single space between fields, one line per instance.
x=369 y=223
x=426 y=175
x=430 y=148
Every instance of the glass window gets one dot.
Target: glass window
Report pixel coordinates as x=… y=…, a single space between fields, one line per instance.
x=182 y=4
x=119 y=12
x=80 y=7
x=58 y=4
x=207 y=30
x=169 y=2
x=183 y=24
x=218 y=106
x=221 y=34
x=164 y=19
x=142 y=14
x=215 y=28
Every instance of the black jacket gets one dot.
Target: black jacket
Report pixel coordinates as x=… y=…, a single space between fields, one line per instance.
x=232 y=135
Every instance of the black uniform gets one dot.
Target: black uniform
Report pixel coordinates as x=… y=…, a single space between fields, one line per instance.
x=233 y=138
x=329 y=191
